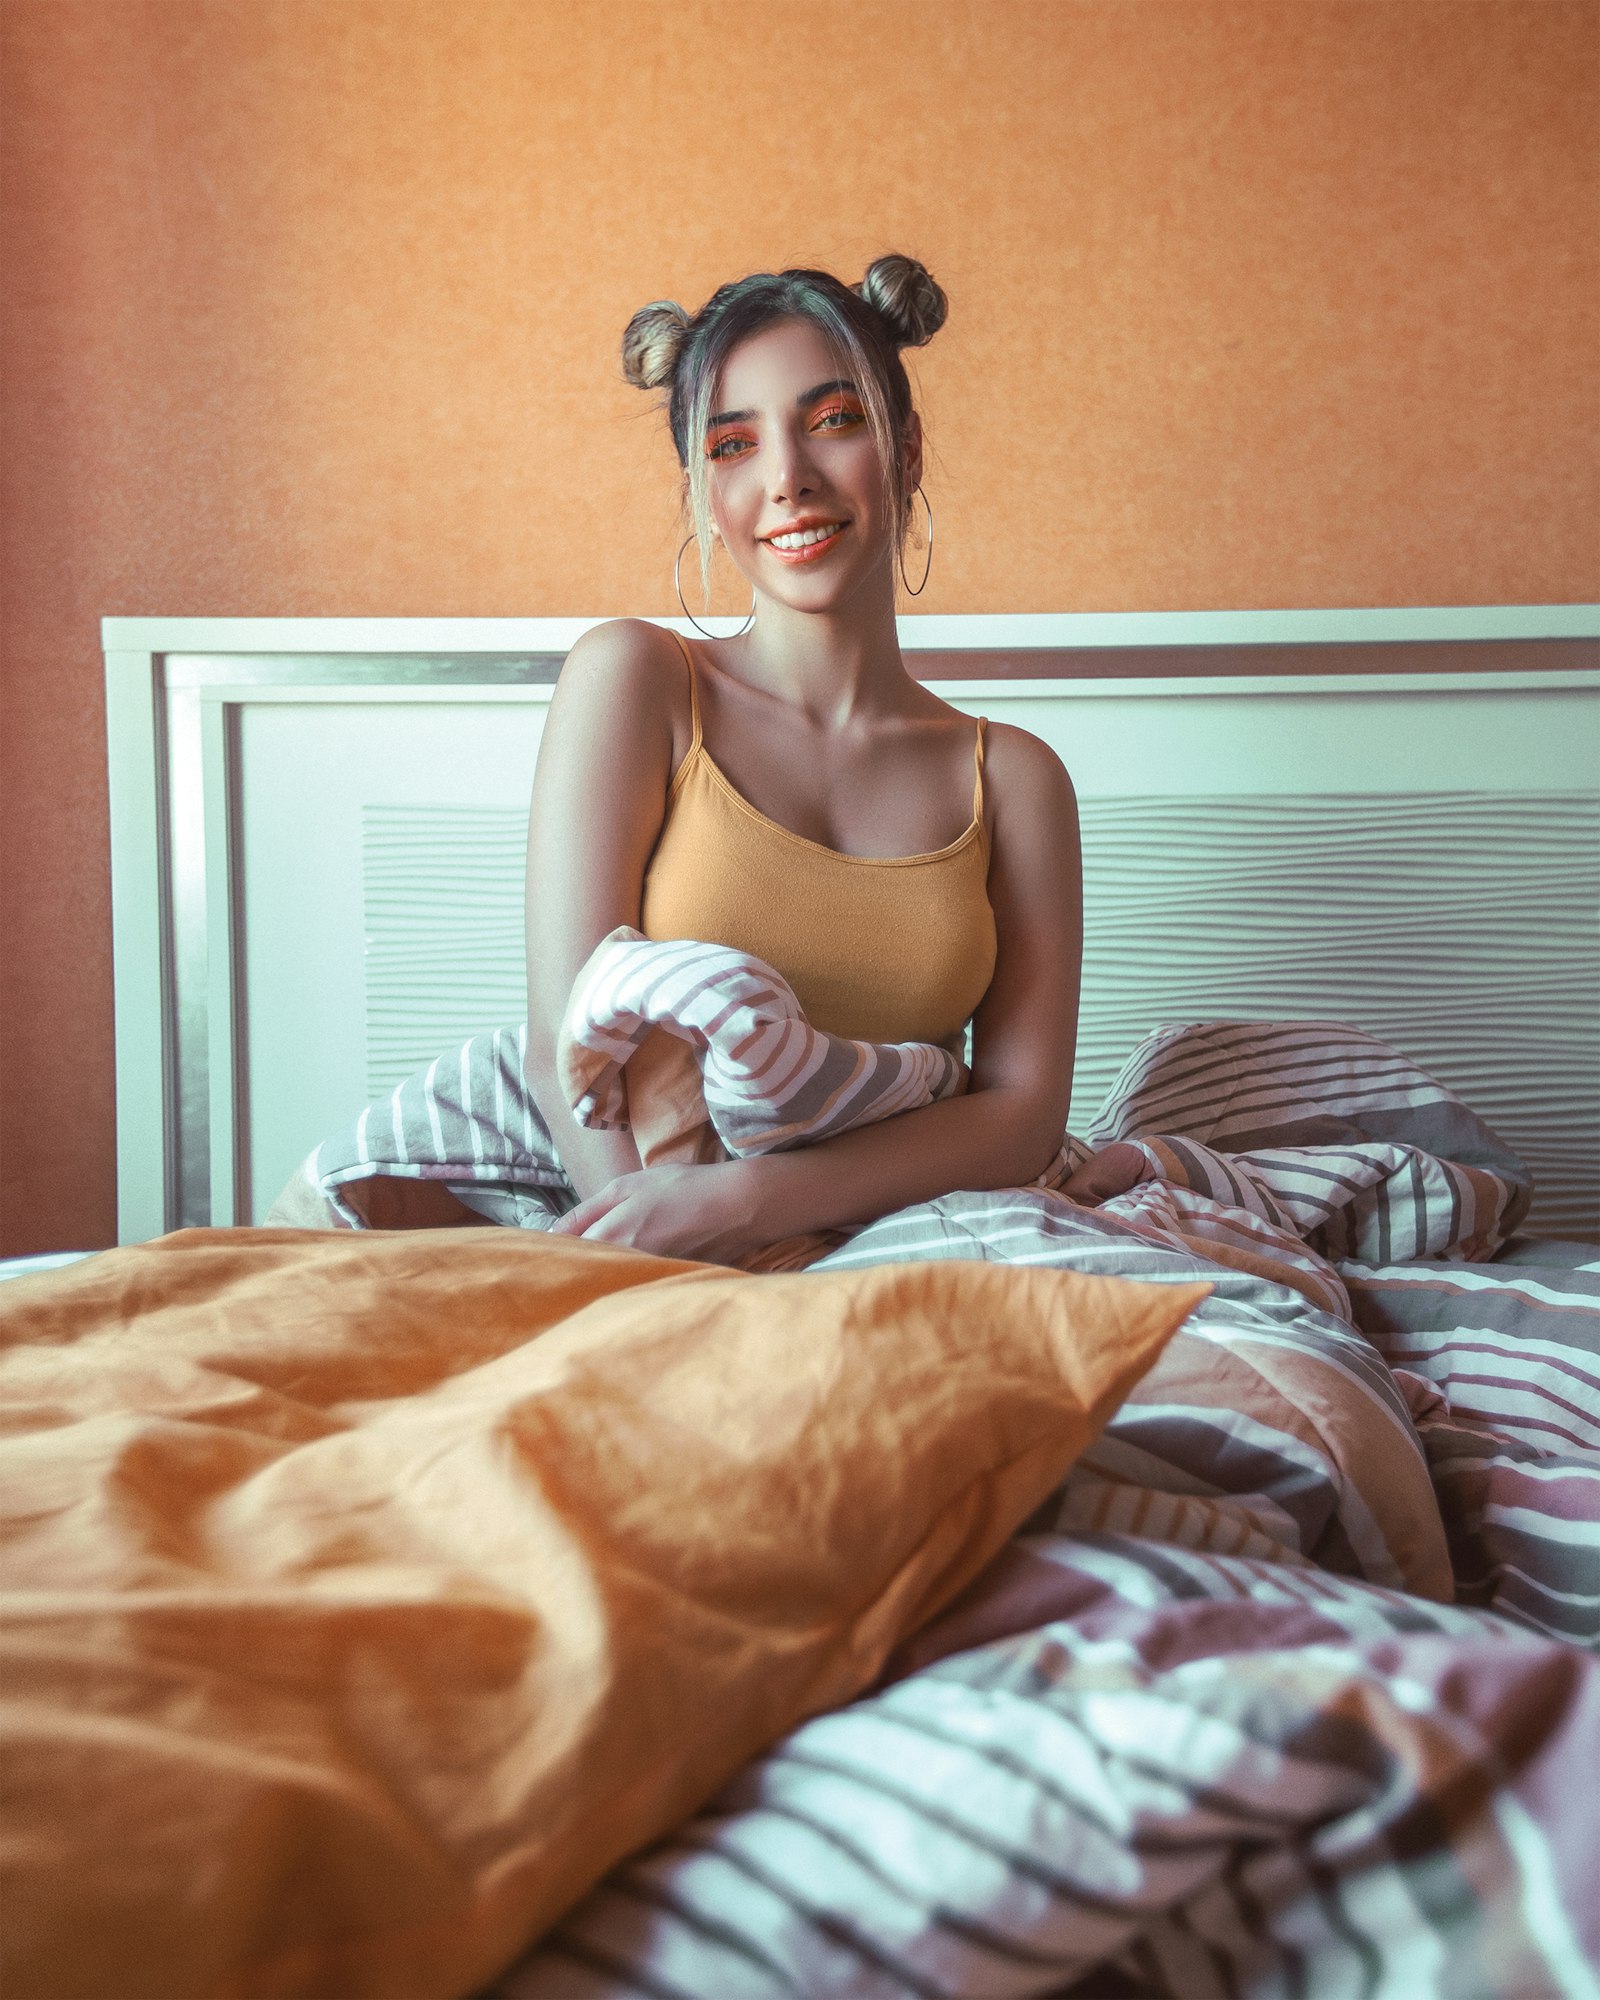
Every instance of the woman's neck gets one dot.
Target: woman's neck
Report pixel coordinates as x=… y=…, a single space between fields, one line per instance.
x=837 y=666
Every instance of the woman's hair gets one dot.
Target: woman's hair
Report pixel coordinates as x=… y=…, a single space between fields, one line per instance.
x=897 y=304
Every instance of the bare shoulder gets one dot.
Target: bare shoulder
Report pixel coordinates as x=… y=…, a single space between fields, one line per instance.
x=624 y=656
x=1026 y=778
x=1035 y=848
x=623 y=692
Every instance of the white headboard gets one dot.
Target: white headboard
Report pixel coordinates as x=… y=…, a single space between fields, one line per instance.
x=1385 y=817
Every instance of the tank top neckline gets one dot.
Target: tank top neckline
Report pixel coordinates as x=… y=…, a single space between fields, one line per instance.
x=697 y=753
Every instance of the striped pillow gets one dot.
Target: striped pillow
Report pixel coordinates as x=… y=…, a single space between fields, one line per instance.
x=1315 y=1126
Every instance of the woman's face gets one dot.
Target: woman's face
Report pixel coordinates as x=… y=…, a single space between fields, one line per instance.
x=797 y=492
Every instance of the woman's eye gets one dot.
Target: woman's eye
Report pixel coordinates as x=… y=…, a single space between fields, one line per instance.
x=732 y=444
x=840 y=417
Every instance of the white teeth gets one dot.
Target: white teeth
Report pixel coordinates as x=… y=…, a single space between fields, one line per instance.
x=806 y=537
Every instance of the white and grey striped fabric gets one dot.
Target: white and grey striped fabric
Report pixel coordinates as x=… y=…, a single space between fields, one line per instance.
x=468 y=1120
x=1213 y=1725
x=768 y=1080
x=1500 y=1366
x=1268 y=1425
x=1158 y=1772
x=1324 y=1134
x=1316 y=1126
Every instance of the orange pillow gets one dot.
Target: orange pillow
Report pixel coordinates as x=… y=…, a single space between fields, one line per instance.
x=352 y=1633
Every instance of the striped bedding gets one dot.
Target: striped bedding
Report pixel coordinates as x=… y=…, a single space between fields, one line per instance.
x=1156 y=1751
x=1501 y=1368
x=1179 y=1774
x=1318 y=1128
x=1285 y=1689
x=728 y=1063
x=727 y=1033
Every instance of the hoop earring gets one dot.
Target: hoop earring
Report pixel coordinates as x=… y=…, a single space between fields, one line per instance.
x=921 y=587
x=695 y=622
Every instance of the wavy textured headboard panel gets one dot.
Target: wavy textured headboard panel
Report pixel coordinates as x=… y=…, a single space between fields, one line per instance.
x=318 y=836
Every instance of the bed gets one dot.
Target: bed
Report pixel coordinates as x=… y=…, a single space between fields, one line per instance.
x=1278 y=1681
x=1366 y=816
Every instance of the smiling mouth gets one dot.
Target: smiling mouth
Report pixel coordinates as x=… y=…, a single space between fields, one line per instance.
x=806 y=544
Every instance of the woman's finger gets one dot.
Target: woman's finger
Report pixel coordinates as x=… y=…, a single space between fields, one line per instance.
x=1110 y=1172
x=611 y=1225
x=578 y=1221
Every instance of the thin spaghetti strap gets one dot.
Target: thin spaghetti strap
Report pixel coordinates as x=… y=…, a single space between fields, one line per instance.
x=694 y=697
x=977 y=775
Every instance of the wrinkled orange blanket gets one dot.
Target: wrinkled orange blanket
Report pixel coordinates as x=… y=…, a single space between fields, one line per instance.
x=367 y=1596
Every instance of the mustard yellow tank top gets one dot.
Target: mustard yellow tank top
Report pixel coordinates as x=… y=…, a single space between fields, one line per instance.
x=898 y=948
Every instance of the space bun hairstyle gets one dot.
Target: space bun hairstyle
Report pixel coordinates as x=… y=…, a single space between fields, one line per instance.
x=896 y=305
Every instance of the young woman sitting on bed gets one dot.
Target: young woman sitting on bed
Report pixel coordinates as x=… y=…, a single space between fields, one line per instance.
x=795 y=793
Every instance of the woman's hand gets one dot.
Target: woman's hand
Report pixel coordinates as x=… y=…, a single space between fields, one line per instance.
x=1111 y=1171
x=702 y=1212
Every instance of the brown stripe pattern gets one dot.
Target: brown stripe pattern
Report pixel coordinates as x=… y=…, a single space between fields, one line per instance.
x=1196 y=1775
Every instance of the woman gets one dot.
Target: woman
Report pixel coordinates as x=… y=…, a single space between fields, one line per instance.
x=796 y=793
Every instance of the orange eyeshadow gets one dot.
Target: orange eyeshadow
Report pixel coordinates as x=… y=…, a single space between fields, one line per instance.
x=725 y=436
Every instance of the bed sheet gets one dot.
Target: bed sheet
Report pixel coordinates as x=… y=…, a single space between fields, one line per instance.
x=1284 y=1689
x=1148 y=1764
x=49 y=1260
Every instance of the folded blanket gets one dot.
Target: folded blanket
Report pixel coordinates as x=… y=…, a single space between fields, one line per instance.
x=1271 y=1426
x=705 y=1054
x=734 y=1067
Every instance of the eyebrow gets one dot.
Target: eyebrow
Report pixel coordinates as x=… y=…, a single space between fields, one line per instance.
x=806 y=396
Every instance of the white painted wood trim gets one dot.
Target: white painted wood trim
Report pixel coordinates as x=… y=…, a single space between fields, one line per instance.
x=217 y=782
x=1166 y=688
x=1179 y=688
x=998 y=631
x=137 y=927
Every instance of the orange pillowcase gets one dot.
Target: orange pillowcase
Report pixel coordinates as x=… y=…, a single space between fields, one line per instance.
x=351 y=1632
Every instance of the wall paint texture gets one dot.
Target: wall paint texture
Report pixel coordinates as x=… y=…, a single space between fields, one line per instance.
x=312 y=308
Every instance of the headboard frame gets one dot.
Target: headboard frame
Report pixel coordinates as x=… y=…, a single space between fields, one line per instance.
x=1389 y=817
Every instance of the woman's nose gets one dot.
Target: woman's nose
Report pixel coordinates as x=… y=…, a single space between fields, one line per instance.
x=793 y=473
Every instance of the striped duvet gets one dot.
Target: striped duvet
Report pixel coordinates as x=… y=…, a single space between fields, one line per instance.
x=1291 y=1688
x=703 y=1052
x=1184 y=1757
x=1179 y=1774
x=736 y=1047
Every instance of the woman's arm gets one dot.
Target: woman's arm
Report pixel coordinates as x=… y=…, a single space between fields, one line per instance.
x=599 y=796
x=1004 y=1132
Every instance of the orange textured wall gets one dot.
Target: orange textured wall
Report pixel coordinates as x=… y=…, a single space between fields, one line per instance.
x=312 y=307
